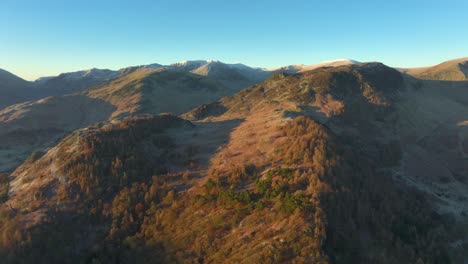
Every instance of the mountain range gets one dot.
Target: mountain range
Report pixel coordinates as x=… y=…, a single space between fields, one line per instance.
x=233 y=76
x=207 y=162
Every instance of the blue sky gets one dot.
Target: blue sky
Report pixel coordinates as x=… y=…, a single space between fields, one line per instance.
x=47 y=37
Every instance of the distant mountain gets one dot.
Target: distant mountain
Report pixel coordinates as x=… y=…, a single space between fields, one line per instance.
x=154 y=91
x=72 y=82
x=303 y=68
x=453 y=70
x=233 y=76
x=332 y=63
x=13 y=89
x=240 y=75
x=188 y=65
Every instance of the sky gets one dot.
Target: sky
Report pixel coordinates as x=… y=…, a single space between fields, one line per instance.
x=48 y=37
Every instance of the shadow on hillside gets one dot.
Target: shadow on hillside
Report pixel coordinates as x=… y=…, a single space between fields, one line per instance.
x=204 y=141
x=313 y=112
x=454 y=90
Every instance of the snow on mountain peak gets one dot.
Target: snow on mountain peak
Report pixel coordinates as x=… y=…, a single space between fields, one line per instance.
x=338 y=61
x=331 y=63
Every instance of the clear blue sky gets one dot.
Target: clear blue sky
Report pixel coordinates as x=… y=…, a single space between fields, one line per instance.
x=46 y=37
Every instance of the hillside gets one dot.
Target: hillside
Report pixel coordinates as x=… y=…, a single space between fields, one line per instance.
x=329 y=90
x=414 y=127
x=453 y=70
x=157 y=91
x=376 y=105
x=218 y=210
x=321 y=166
x=95 y=95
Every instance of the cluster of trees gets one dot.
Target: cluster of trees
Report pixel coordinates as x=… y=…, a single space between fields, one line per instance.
x=106 y=164
x=117 y=156
x=4 y=185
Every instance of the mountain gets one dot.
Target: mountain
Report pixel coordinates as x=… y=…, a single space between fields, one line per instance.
x=189 y=65
x=236 y=76
x=226 y=74
x=36 y=125
x=357 y=163
x=72 y=82
x=453 y=70
x=96 y=95
x=233 y=76
x=157 y=91
x=332 y=63
x=291 y=69
x=14 y=89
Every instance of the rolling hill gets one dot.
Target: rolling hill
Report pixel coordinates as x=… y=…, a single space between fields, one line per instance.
x=38 y=124
x=73 y=82
x=453 y=70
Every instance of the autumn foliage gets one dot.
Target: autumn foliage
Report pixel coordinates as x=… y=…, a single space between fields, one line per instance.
x=320 y=202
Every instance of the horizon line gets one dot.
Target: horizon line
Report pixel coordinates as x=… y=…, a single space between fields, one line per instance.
x=224 y=62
